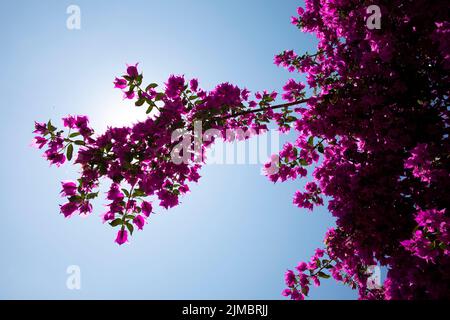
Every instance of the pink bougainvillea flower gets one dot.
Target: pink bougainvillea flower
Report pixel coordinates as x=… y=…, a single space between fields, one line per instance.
x=55 y=158
x=85 y=208
x=114 y=193
x=120 y=83
x=122 y=236
x=290 y=278
x=132 y=71
x=107 y=216
x=129 y=95
x=69 y=122
x=68 y=209
x=69 y=188
x=139 y=221
x=147 y=208
x=301 y=266
x=292 y=90
x=174 y=86
x=193 y=84
x=40 y=128
x=38 y=142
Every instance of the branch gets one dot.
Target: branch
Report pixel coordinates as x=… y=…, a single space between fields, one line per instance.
x=278 y=106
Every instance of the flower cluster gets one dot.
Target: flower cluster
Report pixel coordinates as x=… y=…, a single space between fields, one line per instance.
x=384 y=155
x=138 y=159
x=430 y=240
x=299 y=282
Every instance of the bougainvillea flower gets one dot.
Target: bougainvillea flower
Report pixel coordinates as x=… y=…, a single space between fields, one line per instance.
x=69 y=208
x=122 y=236
x=120 y=83
x=69 y=188
x=146 y=208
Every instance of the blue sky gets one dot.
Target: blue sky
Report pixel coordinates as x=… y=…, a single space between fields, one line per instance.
x=234 y=235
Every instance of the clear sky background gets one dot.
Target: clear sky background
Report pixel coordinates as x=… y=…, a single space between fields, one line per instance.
x=234 y=235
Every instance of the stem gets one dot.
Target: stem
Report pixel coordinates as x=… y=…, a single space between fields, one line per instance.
x=130 y=196
x=322 y=267
x=278 y=106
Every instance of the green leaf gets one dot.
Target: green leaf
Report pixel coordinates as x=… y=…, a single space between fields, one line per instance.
x=69 y=152
x=323 y=275
x=305 y=291
x=140 y=102
x=76 y=198
x=79 y=142
x=311 y=141
x=151 y=86
x=139 y=79
x=73 y=135
x=92 y=195
x=125 y=191
x=291 y=119
x=149 y=110
x=303 y=162
x=319 y=263
x=320 y=148
x=116 y=222
x=138 y=193
x=50 y=127
x=130 y=227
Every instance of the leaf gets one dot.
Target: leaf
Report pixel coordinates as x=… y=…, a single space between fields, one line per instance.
x=130 y=227
x=116 y=222
x=139 y=79
x=323 y=275
x=76 y=198
x=320 y=148
x=138 y=193
x=50 y=127
x=291 y=119
x=159 y=96
x=149 y=110
x=305 y=291
x=311 y=141
x=73 y=135
x=69 y=152
x=151 y=86
x=92 y=195
x=125 y=191
x=140 y=102
x=79 y=142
